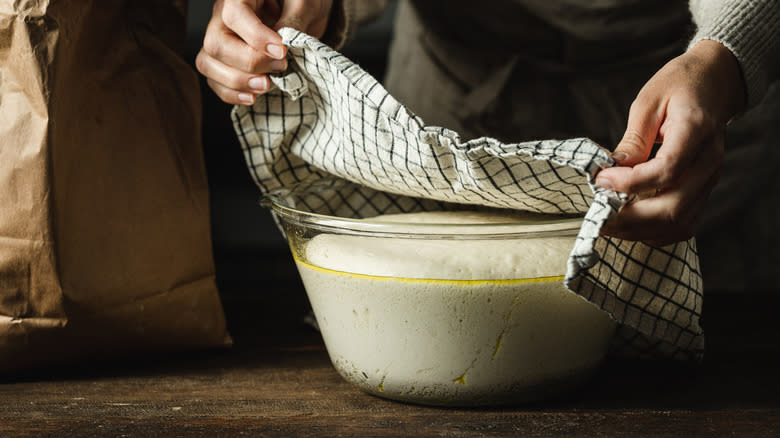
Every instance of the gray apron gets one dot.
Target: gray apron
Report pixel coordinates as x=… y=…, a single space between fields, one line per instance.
x=520 y=70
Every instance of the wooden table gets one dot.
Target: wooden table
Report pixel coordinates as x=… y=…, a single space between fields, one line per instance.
x=277 y=381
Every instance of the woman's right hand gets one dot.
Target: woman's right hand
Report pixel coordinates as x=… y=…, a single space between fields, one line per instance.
x=241 y=45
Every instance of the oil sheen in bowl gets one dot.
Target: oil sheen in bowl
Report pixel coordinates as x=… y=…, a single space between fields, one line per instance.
x=449 y=321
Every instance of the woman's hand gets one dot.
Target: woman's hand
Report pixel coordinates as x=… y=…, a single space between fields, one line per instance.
x=685 y=106
x=241 y=45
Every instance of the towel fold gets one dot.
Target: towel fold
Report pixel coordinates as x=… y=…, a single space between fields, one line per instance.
x=327 y=117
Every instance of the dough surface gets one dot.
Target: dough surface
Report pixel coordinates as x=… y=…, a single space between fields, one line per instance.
x=467 y=259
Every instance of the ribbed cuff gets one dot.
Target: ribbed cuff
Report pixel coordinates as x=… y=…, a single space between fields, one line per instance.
x=750 y=30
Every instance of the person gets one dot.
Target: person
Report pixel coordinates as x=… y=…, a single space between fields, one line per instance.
x=622 y=72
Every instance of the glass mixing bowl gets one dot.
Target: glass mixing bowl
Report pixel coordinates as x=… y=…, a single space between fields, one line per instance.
x=423 y=308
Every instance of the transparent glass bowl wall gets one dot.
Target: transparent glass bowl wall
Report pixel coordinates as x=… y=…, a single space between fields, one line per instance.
x=400 y=320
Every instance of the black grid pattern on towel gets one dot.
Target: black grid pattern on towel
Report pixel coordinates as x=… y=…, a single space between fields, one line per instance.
x=328 y=118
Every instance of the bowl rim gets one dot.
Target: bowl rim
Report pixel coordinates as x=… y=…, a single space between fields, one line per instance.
x=557 y=225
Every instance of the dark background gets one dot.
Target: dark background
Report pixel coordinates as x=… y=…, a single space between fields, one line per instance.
x=247 y=245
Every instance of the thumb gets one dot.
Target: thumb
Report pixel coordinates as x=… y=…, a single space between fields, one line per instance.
x=644 y=121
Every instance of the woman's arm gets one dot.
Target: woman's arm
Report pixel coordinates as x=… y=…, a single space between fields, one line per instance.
x=686 y=107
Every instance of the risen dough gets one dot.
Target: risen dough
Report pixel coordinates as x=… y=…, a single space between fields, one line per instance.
x=444 y=259
x=452 y=321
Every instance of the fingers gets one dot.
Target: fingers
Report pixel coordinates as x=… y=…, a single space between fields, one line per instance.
x=241 y=17
x=671 y=215
x=228 y=95
x=661 y=220
x=686 y=105
x=683 y=142
x=682 y=174
x=239 y=50
x=644 y=121
x=222 y=44
x=230 y=84
x=242 y=46
x=644 y=124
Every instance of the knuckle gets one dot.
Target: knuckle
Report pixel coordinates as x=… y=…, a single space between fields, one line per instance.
x=228 y=97
x=254 y=62
x=230 y=15
x=212 y=45
x=670 y=171
x=631 y=186
x=698 y=117
x=236 y=82
x=216 y=9
x=639 y=105
x=694 y=114
x=200 y=63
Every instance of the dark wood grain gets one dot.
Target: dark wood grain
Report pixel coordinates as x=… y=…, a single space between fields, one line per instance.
x=277 y=381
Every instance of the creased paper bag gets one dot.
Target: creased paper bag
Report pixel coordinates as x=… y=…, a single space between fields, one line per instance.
x=104 y=228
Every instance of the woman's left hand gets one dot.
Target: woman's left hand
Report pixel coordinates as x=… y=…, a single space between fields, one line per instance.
x=685 y=106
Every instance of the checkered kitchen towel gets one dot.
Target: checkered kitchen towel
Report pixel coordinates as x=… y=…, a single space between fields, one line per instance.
x=327 y=117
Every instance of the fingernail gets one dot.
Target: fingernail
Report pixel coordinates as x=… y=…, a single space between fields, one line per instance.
x=275 y=50
x=246 y=98
x=279 y=66
x=605 y=183
x=258 y=83
x=619 y=156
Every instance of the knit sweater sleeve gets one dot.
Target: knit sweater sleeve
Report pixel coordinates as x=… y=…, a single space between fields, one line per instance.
x=751 y=30
x=347 y=16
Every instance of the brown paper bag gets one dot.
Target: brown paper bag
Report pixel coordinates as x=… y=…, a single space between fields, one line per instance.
x=104 y=228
